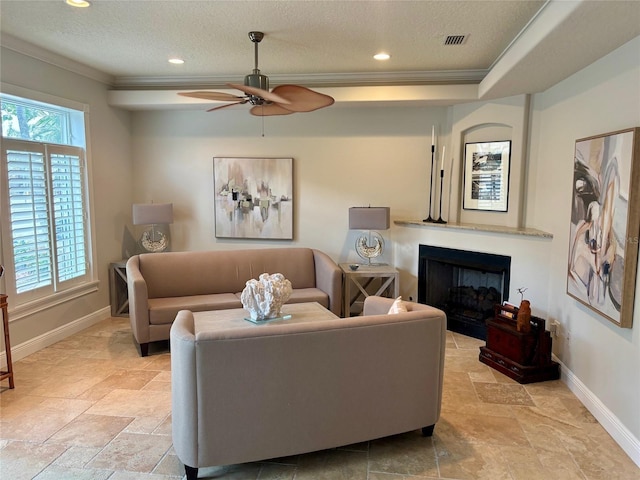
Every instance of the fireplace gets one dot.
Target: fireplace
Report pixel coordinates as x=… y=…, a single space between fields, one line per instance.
x=465 y=284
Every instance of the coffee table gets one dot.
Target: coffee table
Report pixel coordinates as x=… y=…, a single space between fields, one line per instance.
x=228 y=322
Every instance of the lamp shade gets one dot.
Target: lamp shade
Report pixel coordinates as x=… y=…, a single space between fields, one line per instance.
x=152 y=213
x=369 y=218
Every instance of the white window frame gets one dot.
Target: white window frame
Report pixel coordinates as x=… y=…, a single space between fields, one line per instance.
x=28 y=303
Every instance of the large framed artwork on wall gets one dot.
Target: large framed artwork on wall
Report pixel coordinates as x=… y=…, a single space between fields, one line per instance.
x=253 y=198
x=486 y=176
x=605 y=224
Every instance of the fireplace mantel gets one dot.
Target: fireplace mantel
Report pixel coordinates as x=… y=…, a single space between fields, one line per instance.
x=530 y=232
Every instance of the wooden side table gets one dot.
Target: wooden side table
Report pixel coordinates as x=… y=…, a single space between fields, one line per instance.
x=7 y=343
x=118 y=289
x=367 y=280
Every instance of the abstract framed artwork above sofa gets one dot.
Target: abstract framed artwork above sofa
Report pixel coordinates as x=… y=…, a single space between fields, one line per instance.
x=605 y=224
x=253 y=198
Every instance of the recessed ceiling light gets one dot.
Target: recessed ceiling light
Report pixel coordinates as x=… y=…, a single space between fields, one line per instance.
x=176 y=61
x=382 y=56
x=78 y=3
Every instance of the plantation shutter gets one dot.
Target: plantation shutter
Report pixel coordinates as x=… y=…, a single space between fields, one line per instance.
x=68 y=212
x=47 y=210
x=29 y=218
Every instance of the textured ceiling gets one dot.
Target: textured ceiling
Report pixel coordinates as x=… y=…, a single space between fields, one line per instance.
x=525 y=45
x=135 y=38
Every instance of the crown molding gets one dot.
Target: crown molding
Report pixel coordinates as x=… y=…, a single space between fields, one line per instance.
x=190 y=82
x=310 y=80
x=20 y=46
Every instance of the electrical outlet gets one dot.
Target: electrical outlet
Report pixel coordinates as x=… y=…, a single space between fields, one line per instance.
x=553 y=329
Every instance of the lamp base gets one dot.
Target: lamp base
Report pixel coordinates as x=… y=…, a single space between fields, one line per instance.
x=154 y=241
x=369 y=245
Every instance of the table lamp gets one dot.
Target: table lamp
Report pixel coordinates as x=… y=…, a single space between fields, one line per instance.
x=153 y=214
x=371 y=244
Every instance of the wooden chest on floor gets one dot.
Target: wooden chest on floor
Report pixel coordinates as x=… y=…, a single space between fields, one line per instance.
x=523 y=356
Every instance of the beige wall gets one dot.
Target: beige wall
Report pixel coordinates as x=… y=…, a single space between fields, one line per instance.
x=343 y=157
x=603 y=97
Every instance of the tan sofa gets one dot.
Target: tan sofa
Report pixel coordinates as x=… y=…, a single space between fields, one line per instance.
x=247 y=394
x=162 y=284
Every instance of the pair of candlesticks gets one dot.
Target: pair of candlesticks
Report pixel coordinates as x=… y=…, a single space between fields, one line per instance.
x=433 y=156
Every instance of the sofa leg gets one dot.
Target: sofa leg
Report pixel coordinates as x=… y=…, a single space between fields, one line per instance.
x=428 y=431
x=144 y=349
x=192 y=472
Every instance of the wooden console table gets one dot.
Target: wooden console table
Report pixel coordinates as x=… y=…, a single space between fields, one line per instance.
x=7 y=343
x=118 y=292
x=369 y=280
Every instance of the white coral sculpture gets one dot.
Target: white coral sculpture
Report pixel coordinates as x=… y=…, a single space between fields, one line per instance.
x=263 y=298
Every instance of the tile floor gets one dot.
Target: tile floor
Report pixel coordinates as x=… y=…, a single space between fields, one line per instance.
x=89 y=407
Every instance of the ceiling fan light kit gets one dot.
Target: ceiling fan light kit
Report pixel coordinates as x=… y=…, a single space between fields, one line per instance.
x=282 y=100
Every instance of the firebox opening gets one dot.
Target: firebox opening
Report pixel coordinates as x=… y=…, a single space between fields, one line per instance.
x=465 y=284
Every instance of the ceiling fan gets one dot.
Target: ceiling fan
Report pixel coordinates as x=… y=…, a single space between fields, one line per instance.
x=282 y=100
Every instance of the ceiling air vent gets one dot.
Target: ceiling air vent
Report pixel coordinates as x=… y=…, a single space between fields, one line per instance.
x=454 y=39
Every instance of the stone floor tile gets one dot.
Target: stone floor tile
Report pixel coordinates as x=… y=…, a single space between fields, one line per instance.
x=120 y=379
x=132 y=452
x=467 y=461
x=89 y=430
x=25 y=460
x=54 y=472
x=131 y=403
x=333 y=465
x=273 y=471
x=406 y=454
x=501 y=394
x=145 y=424
x=169 y=465
x=486 y=430
x=76 y=457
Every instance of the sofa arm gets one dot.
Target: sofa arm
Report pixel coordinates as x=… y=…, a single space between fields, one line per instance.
x=329 y=280
x=138 y=301
x=184 y=399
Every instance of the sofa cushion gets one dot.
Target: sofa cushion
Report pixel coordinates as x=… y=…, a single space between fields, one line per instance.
x=398 y=306
x=177 y=274
x=164 y=310
x=302 y=295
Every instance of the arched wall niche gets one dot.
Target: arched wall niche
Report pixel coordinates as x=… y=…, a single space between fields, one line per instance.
x=492 y=121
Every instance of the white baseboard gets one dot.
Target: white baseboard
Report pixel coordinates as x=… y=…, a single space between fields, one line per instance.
x=611 y=423
x=53 y=336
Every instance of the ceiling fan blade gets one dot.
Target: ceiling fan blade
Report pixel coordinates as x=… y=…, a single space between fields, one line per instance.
x=302 y=99
x=220 y=96
x=259 y=92
x=269 y=110
x=227 y=105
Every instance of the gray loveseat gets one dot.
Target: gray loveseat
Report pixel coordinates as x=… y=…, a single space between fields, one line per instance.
x=162 y=284
x=246 y=394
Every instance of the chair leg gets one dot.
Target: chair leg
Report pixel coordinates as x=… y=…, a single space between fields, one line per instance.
x=192 y=472
x=428 y=431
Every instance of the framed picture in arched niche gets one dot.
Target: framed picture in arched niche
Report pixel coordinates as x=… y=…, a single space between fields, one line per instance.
x=605 y=224
x=486 y=176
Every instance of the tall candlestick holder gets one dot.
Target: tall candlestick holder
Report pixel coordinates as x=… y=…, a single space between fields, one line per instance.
x=433 y=156
x=440 y=220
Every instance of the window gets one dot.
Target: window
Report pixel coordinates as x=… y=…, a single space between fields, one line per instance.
x=45 y=201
